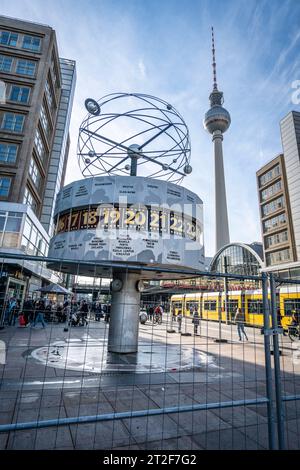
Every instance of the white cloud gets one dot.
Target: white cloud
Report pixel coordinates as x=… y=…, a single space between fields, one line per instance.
x=142 y=68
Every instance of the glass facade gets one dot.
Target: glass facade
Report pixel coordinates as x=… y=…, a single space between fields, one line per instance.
x=236 y=259
x=17 y=230
x=33 y=242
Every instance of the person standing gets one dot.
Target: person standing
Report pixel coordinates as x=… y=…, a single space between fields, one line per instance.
x=196 y=321
x=150 y=312
x=240 y=321
x=28 y=311
x=179 y=320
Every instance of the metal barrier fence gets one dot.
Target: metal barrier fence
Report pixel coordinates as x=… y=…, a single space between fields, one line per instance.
x=218 y=369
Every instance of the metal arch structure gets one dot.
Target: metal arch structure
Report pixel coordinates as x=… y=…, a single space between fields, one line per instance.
x=133 y=133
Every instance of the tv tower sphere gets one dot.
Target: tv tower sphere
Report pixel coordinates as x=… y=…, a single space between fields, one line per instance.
x=217 y=118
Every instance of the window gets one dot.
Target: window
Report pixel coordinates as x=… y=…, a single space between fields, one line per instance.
x=192 y=305
x=280 y=256
x=49 y=94
x=32 y=43
x=2 y=220
x=269 y=175
x=273 y=206
x=8 y=153
x=29 y=199
x=34 y=173
x=32 y=240
x=44 y=120
x=274 y=222
x=271 y=190
x=54 y=71
x=255 y=307
x=14 y=221
x=39 y=144
x=5 y=183
x=13 y=122
x=19 y=94
x=10 y=226
x=290 y=305
x=26 y=67
x=210 y=305
x=5 y=63
x=277 y=238
x=8 y=39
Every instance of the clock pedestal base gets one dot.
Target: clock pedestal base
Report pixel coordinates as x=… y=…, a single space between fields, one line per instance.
x=124 y=317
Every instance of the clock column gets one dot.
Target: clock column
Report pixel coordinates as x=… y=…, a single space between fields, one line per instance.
x=124 y=317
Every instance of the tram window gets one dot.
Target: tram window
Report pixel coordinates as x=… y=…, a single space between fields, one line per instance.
x=210 y=305
x=177 y=304
x=289 y=305
x=192 y=304
x=255 y=307
x=232 y=305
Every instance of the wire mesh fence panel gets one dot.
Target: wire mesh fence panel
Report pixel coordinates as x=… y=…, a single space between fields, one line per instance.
x=191 y=366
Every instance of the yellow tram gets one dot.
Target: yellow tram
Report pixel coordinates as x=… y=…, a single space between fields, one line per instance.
x=212 y=305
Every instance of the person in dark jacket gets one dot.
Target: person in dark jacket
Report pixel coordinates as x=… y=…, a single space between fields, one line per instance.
x=240 y=321
x=39 y=313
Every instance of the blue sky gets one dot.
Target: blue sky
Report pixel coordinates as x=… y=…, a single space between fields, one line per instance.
x=162 y=47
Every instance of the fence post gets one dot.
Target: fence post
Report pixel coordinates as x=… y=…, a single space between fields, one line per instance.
x=278 y=388
x=271 y=420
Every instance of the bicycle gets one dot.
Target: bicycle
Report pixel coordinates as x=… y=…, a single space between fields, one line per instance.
x=293 y=332
x=157 y=319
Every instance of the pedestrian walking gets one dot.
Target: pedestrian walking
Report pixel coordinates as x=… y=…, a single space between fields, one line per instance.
x=39 y=313
x=240 y=321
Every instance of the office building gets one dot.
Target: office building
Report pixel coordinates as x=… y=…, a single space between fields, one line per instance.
x=36 y=96
x=279 y=201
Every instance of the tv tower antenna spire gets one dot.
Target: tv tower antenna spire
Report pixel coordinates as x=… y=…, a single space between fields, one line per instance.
x=214 y=65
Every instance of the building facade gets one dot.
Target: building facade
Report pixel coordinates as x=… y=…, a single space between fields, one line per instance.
x=279 y=202
x=61 y=143
x=275 y=214
x=36 y=96
x=239 y=258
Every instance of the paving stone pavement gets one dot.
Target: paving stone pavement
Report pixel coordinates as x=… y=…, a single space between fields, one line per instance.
x=32 y=390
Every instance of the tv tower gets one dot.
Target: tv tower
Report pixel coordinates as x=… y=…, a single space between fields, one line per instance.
x=216 y=122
